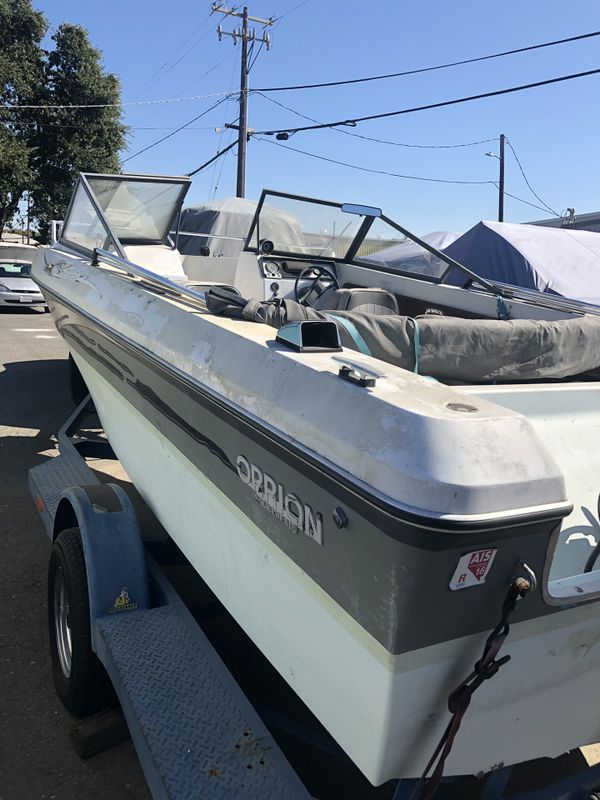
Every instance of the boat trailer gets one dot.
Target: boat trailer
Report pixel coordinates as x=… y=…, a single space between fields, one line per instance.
x=195 y=731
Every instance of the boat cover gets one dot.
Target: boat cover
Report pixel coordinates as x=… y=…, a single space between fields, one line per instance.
x=232 y=217
x=408 y=256
x=554 y=260
x=448 y=348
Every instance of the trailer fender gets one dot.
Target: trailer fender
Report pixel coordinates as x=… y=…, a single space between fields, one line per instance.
x=112 y=546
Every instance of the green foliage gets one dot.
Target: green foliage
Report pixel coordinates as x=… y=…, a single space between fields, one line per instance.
x=42 y=150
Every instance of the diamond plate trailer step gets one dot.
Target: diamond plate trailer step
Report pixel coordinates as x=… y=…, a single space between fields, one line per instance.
x=48 y=481
x=194 y=730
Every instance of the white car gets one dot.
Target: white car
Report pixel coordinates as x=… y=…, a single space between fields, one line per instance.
x=17 y=288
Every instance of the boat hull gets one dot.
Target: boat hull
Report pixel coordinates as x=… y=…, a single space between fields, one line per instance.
x=358 y=618
x=397 y=711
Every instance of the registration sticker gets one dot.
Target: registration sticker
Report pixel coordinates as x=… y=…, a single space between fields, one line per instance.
x=472 y=569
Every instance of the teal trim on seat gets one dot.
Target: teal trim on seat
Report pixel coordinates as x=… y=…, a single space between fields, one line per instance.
x=354 y=333
x=416 y=342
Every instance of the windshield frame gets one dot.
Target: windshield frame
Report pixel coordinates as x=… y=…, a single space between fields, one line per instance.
x=120 y=244
x=348 y=255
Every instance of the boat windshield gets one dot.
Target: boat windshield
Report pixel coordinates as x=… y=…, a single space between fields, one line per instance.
x=14 y=269
x=303 y=226
x=108 y=211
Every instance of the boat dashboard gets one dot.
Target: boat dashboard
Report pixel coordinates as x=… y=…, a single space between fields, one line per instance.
x=286 y=267
x=280 y=273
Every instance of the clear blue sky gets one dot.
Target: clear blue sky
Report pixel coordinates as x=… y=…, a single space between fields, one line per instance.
x=554 y=129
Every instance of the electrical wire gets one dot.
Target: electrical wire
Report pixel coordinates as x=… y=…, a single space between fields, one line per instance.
x=156 y=74
x=210 y=160
x=289 y=11
x=169 y=135
x=222 y=165
x=431 y=69
x=547 y=207
x=155 y=110
x=444 y=103
x=253 y=62
x=395 y=175
x=208 y=71
x=129 y=127
x=121 y=103
x=374 y=171
x=225 y=112
x=383 y=141
x=520 y=199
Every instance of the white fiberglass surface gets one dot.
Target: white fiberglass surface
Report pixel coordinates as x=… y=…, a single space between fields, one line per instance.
x=386 y=711
x=567 y=420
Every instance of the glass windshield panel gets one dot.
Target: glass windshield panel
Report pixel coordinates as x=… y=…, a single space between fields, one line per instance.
x=83 y=227
x=137 y=210
x=14 y=269
x=381 y=237
x=387 y=247
x=303 y=227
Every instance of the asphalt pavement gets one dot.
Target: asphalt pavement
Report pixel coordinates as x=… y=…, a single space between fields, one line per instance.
x=36 y=758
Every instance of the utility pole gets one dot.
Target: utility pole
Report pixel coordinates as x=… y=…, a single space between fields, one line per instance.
x=501 y=181
x=500 y=178
x=245 y=35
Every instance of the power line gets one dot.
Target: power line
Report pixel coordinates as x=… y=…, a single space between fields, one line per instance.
x=130 y=127
x=374 y=171
x=520 y=199
x=384 y=141
x=168 y=136
x=289 y=11
x=431 y=69
x=154 y=77
x=223 y=160
x=118 y=105
x=496 y=93
x=208 y=71
x=547 y=207
x=214 y=158
x=196 y=80
x=230 y=139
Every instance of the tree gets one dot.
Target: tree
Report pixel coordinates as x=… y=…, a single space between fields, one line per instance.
x=21 y=76
x=42 y=150
x=69 y=140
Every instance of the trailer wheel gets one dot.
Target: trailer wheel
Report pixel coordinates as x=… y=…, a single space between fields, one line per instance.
x=79 y=389
x=79 y=678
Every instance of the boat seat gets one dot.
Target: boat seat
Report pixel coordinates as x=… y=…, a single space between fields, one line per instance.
x=368 y=301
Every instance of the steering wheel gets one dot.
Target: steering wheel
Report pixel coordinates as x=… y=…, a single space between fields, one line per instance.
x=321 y=279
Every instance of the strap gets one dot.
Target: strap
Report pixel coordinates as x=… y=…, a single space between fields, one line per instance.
x=416 y=342
x=360 y=343
x=501 y=308
x=459 y=700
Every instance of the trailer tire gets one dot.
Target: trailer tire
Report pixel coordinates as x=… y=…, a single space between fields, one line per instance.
x=79 y=678
x=78 y=386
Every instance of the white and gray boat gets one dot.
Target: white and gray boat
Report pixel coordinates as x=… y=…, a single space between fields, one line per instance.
x=360 y=510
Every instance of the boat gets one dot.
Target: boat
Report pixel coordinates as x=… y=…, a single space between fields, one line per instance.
x=362 y=464
x=16 y=286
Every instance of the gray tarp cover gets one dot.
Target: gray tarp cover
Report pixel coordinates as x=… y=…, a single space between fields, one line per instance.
x=450 y=348
x=409 y=256
x=232 y=217
x=556 y=260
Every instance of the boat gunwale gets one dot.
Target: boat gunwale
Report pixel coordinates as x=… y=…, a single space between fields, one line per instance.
x=421 y=518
